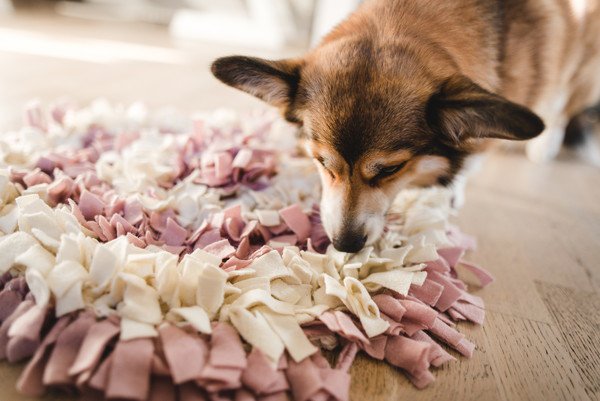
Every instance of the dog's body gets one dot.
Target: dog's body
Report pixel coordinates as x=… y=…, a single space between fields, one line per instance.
x=403 y=92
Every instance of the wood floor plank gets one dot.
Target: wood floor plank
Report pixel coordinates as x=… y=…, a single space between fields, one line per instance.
x=504 y=251
x=577 y=317
x=527 y=234
x=550 y=212
x=9 y=374
x=379 y=380
x=8 y=377
x=530 y=361
x=464 y=379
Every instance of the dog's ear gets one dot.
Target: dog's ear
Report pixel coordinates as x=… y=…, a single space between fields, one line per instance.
x=463 y=110
x=275 y=82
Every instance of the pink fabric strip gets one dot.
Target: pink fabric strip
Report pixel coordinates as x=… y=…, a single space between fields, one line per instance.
x=471 y=312
x=26 y=341
x=226 y=347
x=186 y=354
x=376 y=347
x=438 y=354
x=450 y=294
x=9 y=301
x=98 y=336
x=129 y=375
x=419 y=313
x=408 y=354
x=304 y=378
x=346 y=357
x=21 y=309
x=99 y=380
x=446 y=333
x=65 y=351
x=260 y=377
x=484 y=277
x=451 y=255
x=297 y=221
x=391 y=306
x=339 y=322
x=30 y=382
x=430 y=292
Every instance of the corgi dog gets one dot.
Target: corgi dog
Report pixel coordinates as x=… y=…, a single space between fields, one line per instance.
x=404 y=92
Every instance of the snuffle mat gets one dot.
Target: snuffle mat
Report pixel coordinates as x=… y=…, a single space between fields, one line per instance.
x=159 y=257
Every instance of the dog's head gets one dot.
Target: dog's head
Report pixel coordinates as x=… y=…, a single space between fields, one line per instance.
x=377 y=120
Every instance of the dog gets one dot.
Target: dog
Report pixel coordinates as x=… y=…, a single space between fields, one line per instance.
x=404 y=93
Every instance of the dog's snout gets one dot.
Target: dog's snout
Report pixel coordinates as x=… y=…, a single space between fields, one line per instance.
x=349 y=242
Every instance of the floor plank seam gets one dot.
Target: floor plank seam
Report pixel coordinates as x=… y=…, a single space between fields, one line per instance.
x=489 y=309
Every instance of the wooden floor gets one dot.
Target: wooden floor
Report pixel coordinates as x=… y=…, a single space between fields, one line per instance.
x=538 y=225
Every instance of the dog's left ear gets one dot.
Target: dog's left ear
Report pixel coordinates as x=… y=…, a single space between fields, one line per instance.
x=463 y=110
x=274 y=81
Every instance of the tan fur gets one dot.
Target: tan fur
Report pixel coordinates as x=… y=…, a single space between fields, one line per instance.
x=403 y=91
x=552 y=46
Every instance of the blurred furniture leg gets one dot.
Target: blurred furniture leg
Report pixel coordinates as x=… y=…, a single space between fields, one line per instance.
x=267 y=24
x=6 y=6
x=117 y=10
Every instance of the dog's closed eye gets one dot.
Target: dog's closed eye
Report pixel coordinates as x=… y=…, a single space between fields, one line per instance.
x=321 y=161
x=387 y=171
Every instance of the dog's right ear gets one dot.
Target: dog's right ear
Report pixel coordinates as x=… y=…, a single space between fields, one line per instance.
x=275 y=82
x=462 y=110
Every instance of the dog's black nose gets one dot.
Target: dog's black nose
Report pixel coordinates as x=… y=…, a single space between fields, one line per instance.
x=349 y=242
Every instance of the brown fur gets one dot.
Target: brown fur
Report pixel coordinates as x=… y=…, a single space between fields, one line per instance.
x=426 y=82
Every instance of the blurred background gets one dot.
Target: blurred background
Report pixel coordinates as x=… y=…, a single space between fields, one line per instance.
x=158 y=51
